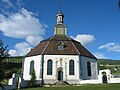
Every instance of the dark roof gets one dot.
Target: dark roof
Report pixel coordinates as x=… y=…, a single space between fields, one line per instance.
x=50 y=47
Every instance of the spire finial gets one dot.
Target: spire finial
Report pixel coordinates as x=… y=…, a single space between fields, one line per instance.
x=119 y=4
x=60 y=5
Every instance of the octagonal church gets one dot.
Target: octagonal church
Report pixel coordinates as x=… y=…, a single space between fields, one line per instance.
x=60 y=58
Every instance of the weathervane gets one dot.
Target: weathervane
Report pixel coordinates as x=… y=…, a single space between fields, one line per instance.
x=119 y=4
x=60 y=4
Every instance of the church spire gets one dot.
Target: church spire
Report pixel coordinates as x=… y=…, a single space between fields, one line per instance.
x=60 y=28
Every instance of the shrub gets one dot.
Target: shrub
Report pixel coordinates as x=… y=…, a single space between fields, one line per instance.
x=32 y=82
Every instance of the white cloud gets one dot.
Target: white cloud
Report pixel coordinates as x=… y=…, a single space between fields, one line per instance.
x=112 y=47
x=20 y=49
x=18 y=22
x=13 y=52
x=34 y=40
x=85 y=39
x=23 y=25
x=19 y=3
x=100 y=55
x=9 y=4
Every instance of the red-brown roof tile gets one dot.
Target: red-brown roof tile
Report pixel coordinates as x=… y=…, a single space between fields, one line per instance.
x=50 y=47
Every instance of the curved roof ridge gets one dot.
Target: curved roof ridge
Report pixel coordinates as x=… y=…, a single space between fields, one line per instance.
x=73 y=44
x=82 y=50
x=47 y=44
x=85 y=53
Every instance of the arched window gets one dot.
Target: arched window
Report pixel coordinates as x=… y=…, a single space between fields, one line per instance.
x=49 y=67
x=71 y=67
x=31 y=67
x=89 y=68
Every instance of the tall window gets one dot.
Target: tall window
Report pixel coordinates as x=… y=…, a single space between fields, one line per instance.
x=31 y=67
x=89 y=68
x=49 y=67
x=71 y=67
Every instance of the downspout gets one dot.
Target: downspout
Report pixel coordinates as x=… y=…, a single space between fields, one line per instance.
x=80 y=67
x=79 y=57
x=42 y=61
x=97 y=67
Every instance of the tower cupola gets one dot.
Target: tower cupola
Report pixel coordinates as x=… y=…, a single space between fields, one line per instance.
x=60 y=17
x=60 y=28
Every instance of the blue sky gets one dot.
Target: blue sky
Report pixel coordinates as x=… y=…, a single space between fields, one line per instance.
x=95 y=23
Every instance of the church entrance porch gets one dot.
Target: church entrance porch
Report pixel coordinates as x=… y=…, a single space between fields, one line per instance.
x=60 y=77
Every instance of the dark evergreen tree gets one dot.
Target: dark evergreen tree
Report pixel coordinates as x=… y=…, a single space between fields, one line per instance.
x=3 y=55
x=32 y=81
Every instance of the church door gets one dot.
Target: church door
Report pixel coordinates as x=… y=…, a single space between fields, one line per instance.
x=60 y=75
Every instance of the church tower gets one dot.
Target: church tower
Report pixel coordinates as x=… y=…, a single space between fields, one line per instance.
x=60 y=28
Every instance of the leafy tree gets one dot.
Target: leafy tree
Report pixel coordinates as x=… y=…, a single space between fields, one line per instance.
x=32 y=81
x=3 y=55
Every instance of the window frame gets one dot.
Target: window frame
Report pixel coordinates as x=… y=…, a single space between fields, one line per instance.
x=49 y=67
x=71 y=67
x=31 y=67
x=89 y=68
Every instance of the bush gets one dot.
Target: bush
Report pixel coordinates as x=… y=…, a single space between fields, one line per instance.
x=32 y=82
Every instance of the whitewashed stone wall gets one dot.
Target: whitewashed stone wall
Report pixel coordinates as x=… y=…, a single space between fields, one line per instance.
x=83 y=68
x=65 y=65
x=37 y=66
x=80 y=68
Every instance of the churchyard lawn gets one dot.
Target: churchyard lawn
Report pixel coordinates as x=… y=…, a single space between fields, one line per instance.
x=82 y=87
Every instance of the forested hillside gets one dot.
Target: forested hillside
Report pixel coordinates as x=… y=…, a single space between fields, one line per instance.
x=108 y=62
x=113 y=65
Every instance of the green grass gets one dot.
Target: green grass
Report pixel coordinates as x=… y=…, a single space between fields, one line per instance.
x=82 y=87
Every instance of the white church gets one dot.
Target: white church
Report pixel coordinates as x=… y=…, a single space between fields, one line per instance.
x=60 y=58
